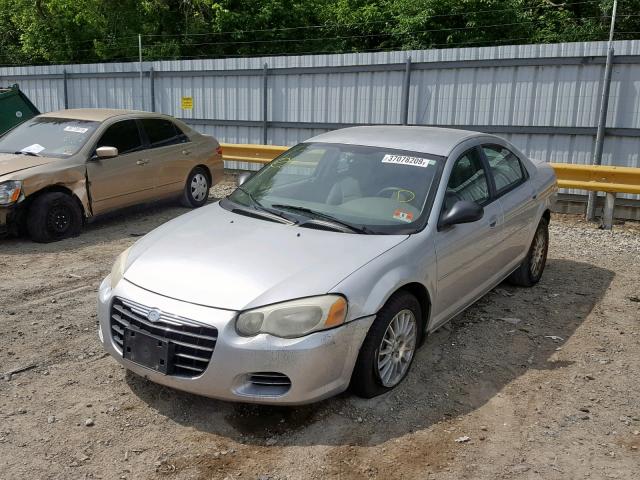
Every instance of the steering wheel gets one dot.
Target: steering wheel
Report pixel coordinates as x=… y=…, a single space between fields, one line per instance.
x=401 y=194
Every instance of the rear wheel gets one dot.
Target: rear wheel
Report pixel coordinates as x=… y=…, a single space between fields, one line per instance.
x=54 y=216
x=530 y=270
x=196 y=189
x=387 y=352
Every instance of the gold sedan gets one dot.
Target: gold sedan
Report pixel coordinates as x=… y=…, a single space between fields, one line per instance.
x=59 y=169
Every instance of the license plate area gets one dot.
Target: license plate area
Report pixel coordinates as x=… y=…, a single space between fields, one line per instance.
x=148 y=350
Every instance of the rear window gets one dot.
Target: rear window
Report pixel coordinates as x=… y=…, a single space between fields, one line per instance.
x=48 y=137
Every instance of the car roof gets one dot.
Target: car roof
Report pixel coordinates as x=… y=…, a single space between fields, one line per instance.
x=432 y=140
x=97 y=114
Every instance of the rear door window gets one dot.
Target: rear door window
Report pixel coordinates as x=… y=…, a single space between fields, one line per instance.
x=506 y=168
x=161 y=132
x=123 y=135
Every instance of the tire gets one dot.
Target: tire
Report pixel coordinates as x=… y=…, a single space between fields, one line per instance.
x=369 y=378
x=54 y=216
x=530 y=270
x=196 y=189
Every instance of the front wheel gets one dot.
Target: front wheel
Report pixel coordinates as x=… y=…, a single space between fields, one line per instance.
x=387 y=352
x=54 y=216
x=196 y=189
x=530 y=270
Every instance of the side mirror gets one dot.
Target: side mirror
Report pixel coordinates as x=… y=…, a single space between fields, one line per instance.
x=106 y=152
x=243 y=177
x=462 y=211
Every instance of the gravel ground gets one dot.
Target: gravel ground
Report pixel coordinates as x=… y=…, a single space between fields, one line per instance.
x=538 y=383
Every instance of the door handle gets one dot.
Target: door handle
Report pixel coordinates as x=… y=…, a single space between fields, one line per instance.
x=186 y=152
x=142 y=162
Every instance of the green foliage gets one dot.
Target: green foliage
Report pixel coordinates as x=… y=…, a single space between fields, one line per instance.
x=65 y=31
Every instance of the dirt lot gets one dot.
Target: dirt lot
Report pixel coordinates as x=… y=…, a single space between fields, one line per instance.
x=545 y=382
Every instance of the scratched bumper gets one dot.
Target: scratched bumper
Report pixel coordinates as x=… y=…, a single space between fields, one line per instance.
x=319 y=365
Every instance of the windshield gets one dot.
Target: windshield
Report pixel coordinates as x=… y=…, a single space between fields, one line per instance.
x=382 y=190
x=48 y=137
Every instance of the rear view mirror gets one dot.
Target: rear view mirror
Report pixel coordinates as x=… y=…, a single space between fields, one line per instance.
x=462 y=211
x=106 y=152
x=243 y=177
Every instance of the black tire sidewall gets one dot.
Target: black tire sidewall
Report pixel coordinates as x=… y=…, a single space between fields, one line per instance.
x=188 y=199
x=37 y=219
x=365 y=381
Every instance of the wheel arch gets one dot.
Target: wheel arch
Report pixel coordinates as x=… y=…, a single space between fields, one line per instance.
x=50 y=189
x=420 y=292
x=206 y=169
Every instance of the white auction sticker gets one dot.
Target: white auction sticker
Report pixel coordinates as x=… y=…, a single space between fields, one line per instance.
x=35 y=148
x=405 y=160
x=76 y=129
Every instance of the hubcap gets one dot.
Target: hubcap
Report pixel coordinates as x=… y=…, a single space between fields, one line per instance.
x=59 y=219
x=397 y=347
x=199 y=187
x=537 y=254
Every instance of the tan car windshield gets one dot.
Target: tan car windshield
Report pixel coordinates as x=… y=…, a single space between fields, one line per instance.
x=48 y=137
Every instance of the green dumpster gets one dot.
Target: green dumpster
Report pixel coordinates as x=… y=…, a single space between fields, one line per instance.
x=15 y=108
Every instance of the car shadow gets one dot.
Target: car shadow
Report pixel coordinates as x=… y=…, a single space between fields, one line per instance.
x=459 y=369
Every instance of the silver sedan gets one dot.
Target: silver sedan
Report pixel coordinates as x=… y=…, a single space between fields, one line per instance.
x=328 y=267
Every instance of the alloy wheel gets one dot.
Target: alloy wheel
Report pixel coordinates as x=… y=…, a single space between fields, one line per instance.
x=199 y=187
x=397 y=348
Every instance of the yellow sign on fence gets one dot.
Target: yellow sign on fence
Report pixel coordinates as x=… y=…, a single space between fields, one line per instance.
x=187 y=103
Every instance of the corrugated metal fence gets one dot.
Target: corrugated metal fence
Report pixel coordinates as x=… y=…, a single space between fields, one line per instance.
x=544 y=98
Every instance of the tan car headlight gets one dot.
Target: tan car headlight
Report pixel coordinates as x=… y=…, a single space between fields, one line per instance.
x=295 y=318
x=119 y=267
x=10 y=192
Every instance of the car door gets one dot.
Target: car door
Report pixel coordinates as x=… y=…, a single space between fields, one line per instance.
x=171 y=152
x=516 y=196
x=467 y=254
x=123 y=180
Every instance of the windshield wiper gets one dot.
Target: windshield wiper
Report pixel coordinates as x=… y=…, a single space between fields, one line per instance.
x=327 y=217
x=258 y=206
x=22 y=152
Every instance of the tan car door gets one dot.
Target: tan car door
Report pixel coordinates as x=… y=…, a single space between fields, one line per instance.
x=171 y=151
x=123 y=180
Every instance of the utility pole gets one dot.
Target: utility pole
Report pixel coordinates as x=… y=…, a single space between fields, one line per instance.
x=604 y=105
x=140 y=66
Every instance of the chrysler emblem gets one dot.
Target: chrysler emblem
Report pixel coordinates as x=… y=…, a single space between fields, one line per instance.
x=154 y=315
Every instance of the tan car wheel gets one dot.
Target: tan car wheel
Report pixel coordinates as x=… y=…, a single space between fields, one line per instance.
x=196 y=189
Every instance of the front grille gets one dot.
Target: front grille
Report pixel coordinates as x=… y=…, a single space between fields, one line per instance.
x=193 y=343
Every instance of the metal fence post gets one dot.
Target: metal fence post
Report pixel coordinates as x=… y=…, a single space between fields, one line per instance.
x=609 y=207
x=406 y=85
x=152 y=84
x=604 y=106
x=66 y=91
x=264 y=104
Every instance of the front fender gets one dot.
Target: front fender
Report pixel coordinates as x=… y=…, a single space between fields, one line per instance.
x=369 y=287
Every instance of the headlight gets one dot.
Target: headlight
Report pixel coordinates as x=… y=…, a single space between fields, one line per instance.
x=10 y=192
x=294 y=319
x=119 y=267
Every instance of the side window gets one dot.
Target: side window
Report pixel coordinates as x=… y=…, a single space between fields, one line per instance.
x=506 y=168
x=467 y=181
x=161 y=132
x=122 y=135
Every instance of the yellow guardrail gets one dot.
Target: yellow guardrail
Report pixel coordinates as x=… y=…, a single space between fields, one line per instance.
x=601 y=178
x=244 y=152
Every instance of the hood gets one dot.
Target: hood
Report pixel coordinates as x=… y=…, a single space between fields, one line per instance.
x=10 y=163
x=221 y=259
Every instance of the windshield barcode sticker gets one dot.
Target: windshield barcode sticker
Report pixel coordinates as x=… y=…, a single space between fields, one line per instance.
x=405 y=160
x=76 y=129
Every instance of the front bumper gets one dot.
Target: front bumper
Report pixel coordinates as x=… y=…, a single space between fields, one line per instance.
x=318 y=365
